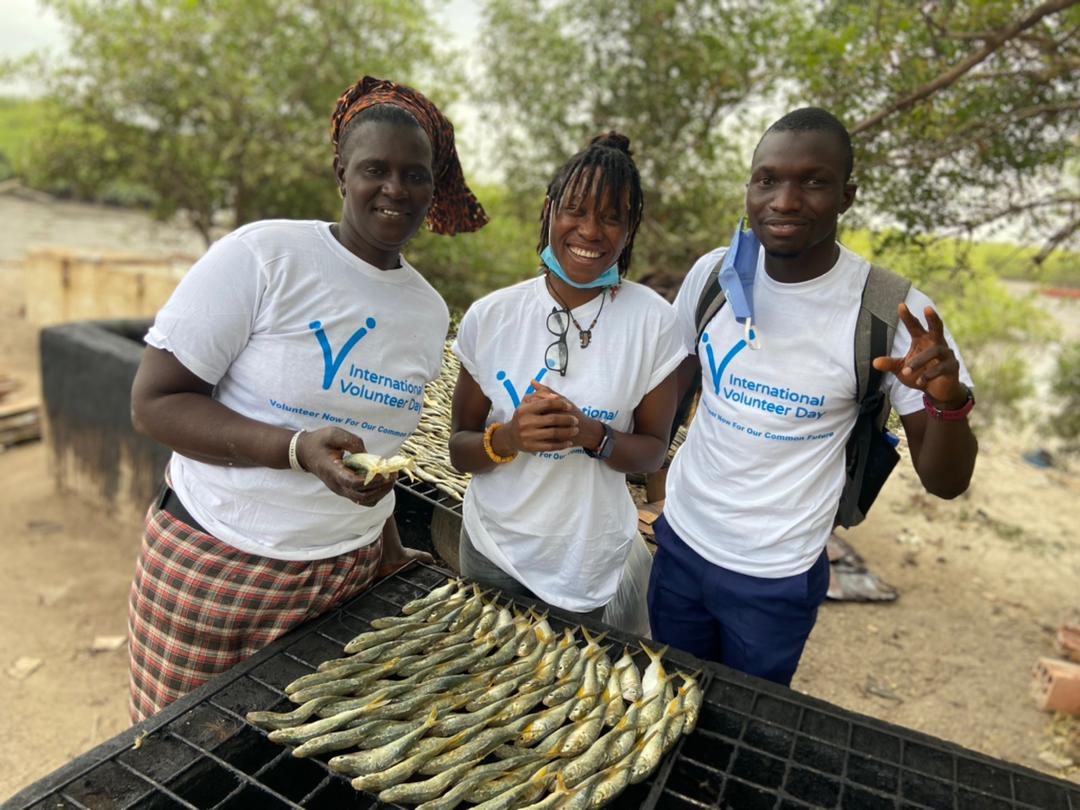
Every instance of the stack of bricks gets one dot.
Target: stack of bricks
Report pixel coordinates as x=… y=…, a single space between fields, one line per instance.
x=1055 y=682
x=20 y=419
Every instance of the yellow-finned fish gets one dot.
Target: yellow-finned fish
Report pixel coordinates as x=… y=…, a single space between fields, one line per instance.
x=436 y=595
x=425 y=750
x=629 y=677
x=381 y=758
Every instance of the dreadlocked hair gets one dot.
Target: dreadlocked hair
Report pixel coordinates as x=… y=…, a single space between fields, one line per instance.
x=608 y=162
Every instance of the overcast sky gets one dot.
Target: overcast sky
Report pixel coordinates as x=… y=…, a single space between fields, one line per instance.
x=28 y=27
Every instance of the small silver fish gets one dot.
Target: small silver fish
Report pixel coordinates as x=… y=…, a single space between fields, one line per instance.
x=425 y=750
x=655 y=675
x=623 y=737
x=429 y=788
x=585 y=733
x=651 y=751
x=276 y=720
x=462 y=783
x=629 y=677
x=613 y=781
x=522 y=794
x=499 y=783
x=381 y=758
x=436 y=595
x=692 y=701
x=612 y=698
x=479 y=746
x=541 y=724
x=346 y=686
x=302 y=733
x=588 y=693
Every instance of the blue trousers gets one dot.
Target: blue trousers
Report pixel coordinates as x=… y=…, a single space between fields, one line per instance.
x=752 y=624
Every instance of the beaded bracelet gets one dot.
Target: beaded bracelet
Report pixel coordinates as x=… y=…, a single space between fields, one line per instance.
x=491 y=450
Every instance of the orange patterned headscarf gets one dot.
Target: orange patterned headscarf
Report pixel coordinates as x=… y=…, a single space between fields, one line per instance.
x=454 y=208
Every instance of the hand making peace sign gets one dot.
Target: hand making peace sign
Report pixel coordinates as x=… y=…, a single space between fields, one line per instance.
x=929 y=365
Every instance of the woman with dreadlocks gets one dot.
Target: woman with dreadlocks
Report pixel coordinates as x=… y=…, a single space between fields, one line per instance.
x=288 y=344
x=566 y=385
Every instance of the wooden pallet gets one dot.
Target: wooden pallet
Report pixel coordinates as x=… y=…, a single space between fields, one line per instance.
x=20 y=421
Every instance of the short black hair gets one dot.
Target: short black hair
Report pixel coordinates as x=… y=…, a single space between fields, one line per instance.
x=815 y=119
x=378 y=114
x=609 y=160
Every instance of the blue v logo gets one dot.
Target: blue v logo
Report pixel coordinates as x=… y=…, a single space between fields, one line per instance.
x=718 y=371
x=508 y=384
x=331 y=364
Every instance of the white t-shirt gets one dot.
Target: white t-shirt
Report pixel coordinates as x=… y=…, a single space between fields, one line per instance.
x=561 y=522
x=755 y=486
x=295 y=331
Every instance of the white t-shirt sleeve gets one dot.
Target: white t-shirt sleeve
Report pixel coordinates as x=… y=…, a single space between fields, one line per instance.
x=210 y=316
x=464 y=345
x=686 y=302
x=909 y=400
x=670 y=348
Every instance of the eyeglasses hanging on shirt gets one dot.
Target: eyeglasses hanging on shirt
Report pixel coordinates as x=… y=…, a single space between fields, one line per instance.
x=558 y=323
x=557 y=354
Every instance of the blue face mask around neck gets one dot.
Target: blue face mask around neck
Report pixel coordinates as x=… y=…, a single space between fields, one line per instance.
x=609 y=278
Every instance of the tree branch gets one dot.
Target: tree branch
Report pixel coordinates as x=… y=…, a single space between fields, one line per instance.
x=1056 y=240
x=993 y=42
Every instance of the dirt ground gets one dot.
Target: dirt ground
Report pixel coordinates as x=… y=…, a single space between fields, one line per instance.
x=985 y=580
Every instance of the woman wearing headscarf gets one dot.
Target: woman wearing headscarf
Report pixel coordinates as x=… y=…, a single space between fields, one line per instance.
x=289 y=344
x=566 y=385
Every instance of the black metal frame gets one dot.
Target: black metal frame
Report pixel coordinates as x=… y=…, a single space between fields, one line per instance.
x=757 y=745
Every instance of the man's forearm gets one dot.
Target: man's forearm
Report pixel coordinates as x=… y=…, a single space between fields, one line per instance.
x=946 y=458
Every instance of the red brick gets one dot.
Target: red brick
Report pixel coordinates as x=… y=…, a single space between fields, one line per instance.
x=1069 y=639
x=1055 y=685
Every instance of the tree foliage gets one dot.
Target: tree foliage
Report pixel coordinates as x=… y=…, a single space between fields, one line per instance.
x=218 y=105
x=1066 y=421
x=964 y=113
x=674 y=75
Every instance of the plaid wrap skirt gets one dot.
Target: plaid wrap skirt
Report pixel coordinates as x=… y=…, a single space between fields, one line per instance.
x=198 y=606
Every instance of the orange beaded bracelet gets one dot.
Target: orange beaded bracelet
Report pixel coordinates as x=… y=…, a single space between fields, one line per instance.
x=491 y=450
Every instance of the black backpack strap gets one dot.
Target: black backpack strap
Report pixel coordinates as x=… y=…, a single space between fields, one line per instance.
x=711 y=300
x=875 y=329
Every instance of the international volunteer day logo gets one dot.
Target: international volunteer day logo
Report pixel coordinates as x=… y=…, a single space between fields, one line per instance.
x=511 y=390
x=761 y=397
x=358 y=382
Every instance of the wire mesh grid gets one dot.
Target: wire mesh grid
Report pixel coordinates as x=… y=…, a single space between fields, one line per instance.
x=431 y=494
x=757 y=745
x=202 y=753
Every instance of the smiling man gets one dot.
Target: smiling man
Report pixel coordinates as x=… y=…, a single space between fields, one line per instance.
x=753 y=493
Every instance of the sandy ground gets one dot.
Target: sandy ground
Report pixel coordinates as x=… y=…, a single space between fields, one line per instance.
x=985 y=580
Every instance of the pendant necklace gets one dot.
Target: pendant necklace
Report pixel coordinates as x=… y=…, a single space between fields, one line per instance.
x=584 y=335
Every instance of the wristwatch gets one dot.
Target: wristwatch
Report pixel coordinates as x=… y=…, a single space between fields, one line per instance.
x=954 y=415
x=606 y=446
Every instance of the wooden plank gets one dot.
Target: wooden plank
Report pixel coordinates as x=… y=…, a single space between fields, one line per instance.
x=19 y=422
x=22 y=405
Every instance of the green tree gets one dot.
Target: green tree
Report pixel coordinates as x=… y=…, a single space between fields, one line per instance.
x=965 y=116
x=965 y=113
x=213 y=106
x=676 y=76
x=1066 y=388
